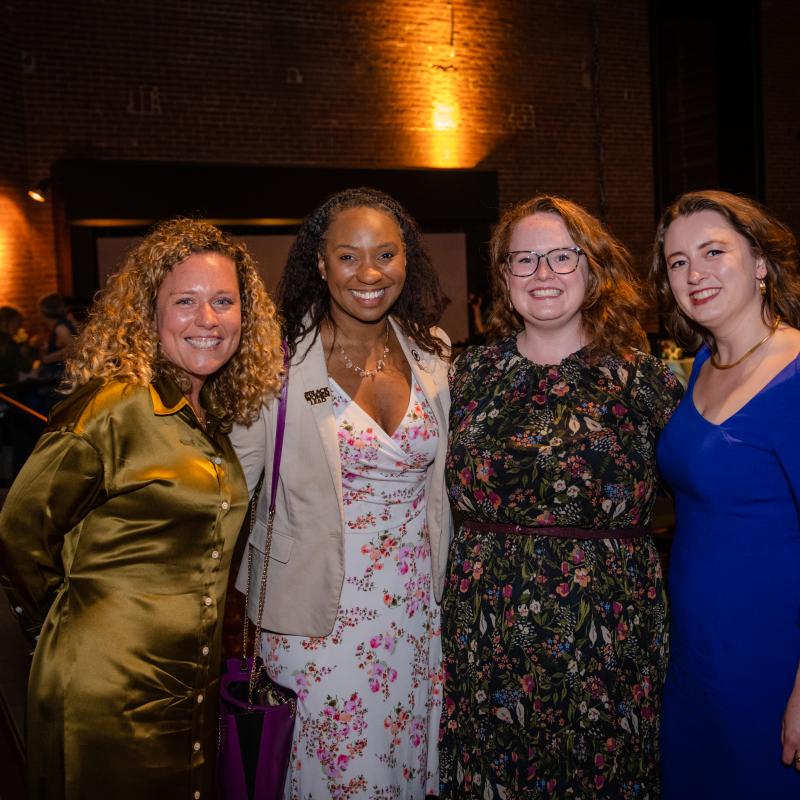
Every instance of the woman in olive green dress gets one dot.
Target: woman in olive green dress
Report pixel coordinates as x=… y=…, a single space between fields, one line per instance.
x=117 y=535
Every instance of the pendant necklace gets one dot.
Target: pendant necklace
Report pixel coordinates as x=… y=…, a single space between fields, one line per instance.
x=367 y=373
x=717 y=365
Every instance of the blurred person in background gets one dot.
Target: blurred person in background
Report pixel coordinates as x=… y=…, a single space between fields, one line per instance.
x=61 y=338
x=16 y=355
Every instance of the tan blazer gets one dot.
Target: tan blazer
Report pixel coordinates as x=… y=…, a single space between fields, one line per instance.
x=306 y=568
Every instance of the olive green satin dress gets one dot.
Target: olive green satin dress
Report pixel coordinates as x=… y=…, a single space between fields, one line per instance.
x=117 y=538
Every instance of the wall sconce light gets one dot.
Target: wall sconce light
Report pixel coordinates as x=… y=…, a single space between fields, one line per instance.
x=39 y=192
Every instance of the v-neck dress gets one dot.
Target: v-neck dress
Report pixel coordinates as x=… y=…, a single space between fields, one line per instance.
x=734 y=581
x=370 y=692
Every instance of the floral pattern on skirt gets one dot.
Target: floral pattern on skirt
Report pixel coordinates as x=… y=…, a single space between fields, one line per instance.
x=555 y=649
x=370 y=693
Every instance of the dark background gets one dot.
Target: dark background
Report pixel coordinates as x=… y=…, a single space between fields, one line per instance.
x=618 y=104
x=250 y=111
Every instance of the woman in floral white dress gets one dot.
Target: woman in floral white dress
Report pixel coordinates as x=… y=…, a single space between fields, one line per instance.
x=362 y=524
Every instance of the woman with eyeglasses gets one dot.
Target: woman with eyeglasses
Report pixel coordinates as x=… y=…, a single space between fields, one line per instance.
x=554 y=611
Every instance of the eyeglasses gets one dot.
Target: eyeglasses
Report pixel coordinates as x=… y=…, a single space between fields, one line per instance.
x=562 y=261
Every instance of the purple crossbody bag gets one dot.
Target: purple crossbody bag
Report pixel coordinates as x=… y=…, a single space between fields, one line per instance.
x=256 y=715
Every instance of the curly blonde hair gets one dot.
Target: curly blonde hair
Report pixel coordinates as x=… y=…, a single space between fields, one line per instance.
x=767 y=236
x=613 y=298
x=120 y=340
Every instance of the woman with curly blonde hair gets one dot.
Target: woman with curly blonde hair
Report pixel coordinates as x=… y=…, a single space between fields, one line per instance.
x=116 y=538
x=554 y=610
x=121 y=342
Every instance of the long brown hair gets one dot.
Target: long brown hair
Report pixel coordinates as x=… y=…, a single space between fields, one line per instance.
x=768 y=237
x=613 y=299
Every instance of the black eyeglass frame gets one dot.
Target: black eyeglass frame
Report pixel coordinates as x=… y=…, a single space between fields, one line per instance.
x=577 y=250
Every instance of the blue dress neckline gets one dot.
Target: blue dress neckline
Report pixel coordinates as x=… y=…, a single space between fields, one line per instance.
x=702 y=356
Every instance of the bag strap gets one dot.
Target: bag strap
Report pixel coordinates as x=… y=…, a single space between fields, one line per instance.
x=262 y=589
x=251 y=524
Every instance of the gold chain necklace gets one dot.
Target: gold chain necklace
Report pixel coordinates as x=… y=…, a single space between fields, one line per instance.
x=717 y=365
x=367 y=373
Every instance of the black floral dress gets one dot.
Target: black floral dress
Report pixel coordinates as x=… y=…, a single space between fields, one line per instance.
x=555 y=649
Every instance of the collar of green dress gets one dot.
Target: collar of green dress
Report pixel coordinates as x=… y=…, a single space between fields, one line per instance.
x=168 y=399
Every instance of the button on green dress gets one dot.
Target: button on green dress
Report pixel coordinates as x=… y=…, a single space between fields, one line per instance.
x=116 y=538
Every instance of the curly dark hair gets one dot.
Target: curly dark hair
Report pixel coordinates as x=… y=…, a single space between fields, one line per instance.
x=613 y=299
x=302 y=293
x=768 y=237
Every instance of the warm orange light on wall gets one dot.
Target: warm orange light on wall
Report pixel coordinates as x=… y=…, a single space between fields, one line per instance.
x=14 y=241
x=438 y=81
x=446 y=141
x=445 y=117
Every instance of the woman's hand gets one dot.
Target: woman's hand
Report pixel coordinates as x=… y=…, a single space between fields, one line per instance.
x=790 y=729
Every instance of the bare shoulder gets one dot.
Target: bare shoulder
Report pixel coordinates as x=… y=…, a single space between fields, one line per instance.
x=783 y=349
x=787 y=341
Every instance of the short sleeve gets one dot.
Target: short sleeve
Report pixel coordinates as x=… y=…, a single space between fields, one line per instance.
x=463 y=366
x=655 y=391
x=58 y=485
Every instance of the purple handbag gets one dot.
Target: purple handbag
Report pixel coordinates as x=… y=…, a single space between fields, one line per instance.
x=256 y=715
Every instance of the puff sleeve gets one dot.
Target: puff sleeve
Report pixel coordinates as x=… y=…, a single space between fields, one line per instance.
x=655 y=391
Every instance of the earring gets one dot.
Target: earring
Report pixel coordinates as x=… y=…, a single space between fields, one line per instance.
x=762 y=286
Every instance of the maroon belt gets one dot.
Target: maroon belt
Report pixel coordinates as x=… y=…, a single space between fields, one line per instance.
x=557 y=531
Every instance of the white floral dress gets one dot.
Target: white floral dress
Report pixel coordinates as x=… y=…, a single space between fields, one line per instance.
x=370 y=693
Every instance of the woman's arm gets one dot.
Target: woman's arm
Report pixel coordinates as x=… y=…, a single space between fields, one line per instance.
x=55 y=489
x=790 y=727
x=655 y=392
x=786 y=445
x=250 y=445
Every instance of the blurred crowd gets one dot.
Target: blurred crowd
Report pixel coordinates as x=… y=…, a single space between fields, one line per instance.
x=31 y=367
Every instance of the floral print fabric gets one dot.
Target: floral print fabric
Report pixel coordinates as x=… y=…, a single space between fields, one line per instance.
x=555 y=649
x=370 y=693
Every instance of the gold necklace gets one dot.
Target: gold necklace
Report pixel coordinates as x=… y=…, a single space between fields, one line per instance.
x=367 y=373
x=717 y=365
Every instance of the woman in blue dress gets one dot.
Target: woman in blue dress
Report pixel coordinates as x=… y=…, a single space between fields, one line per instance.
x=727 y=274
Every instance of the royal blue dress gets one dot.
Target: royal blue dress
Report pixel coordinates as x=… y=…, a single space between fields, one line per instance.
x=734 y=581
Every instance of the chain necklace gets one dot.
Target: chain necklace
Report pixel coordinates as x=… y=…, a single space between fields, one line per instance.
x=717 y=365
x=367 y=373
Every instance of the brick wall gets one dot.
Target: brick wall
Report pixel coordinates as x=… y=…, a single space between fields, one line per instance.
x=555 y=96
x=15 y=233
x=781 y=112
